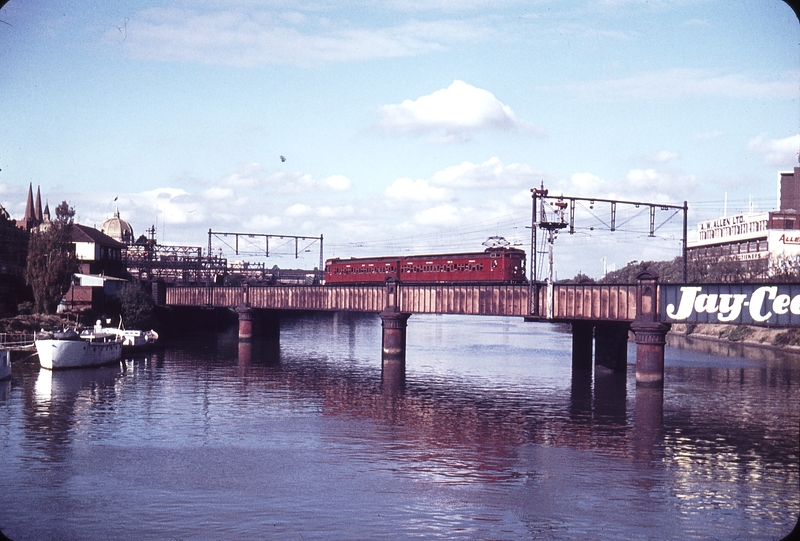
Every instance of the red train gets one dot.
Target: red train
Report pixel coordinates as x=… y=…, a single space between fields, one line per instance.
x=493 y=265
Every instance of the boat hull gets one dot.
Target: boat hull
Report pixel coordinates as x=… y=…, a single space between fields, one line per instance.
x=55 y=354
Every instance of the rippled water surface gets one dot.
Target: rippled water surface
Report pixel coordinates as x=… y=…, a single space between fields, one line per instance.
x=491 y=437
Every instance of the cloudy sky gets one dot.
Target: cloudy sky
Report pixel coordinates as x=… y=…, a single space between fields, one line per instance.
x=407 y=126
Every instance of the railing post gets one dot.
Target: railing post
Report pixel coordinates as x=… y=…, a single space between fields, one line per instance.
x=650 y=332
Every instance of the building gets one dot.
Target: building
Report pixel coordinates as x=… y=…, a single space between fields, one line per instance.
x=763 y=241
x=118 y=229
x=101 y=271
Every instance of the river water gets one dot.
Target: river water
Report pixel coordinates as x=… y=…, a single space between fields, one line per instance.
x=491 y=437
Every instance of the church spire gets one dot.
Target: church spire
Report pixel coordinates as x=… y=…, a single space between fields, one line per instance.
x=38 y=214
x=29 y=212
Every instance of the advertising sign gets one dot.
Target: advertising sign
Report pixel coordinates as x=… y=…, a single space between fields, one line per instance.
x=744 y=304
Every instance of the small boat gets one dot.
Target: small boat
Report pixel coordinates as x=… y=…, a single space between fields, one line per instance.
x=5 y=364
x=69 y=349
x=132 y=338
x=135 y=339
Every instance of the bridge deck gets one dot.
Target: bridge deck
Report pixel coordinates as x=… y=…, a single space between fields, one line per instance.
x=591 y=301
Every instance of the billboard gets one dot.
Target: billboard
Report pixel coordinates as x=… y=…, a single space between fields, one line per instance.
x=743 y=304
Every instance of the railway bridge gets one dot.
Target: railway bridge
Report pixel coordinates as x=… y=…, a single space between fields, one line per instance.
x=601 y=315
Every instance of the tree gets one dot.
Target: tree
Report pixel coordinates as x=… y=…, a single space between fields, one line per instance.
x=136 y=306
x=51 y=261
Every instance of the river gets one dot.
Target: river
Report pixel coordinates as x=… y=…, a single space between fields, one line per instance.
x=490 y=437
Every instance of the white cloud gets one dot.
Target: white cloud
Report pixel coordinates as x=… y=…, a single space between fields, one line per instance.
x=663 y=156
x=334 y=212
x=254 y=176
x=261 y=222
x=298 y=209
x=682 y=83
x=458 y=109
x=406 y=189
x=780 y=152
x=489 y=174
x=338 y=182
x=646 y=185
x=216 y=194
x=442 y=215
x=257 y=37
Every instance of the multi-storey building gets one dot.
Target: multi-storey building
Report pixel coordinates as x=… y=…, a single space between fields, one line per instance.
x=762 y=240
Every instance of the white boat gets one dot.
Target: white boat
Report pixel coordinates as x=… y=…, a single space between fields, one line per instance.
x=69 y=349
x=135 y=339
x=5 y=364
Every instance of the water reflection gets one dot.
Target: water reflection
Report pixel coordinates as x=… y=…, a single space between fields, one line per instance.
x=489 y=435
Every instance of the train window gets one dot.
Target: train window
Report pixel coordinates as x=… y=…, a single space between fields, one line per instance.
x=494 y=263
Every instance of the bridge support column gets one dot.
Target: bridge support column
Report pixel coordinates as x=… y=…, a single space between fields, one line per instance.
x=582 y=332
x=650 y=332
x=650 y=342
x=393 y=347
x=611 y=345
x=246 y=316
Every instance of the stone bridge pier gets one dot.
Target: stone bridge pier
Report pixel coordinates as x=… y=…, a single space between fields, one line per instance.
x=608 y=340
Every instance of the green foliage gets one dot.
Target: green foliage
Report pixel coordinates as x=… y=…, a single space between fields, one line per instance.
x=785 y=269
x=25 y=308
x=735 y=334
x=728 y=270
x=136 y=306
x=789 y=338
x=579 y=278
x=668 y=272
x=51 y=261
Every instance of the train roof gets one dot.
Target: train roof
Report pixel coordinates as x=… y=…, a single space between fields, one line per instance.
x=425 y=256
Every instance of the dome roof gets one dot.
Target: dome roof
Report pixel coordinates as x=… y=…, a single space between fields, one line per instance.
x=118 y=229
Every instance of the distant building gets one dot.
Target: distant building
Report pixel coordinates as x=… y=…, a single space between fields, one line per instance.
x=34 y=216
x=118 y=229
x=101 y=271
x=763 y=238
x=13 y=257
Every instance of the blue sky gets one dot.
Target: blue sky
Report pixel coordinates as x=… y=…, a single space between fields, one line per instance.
x=407 y=126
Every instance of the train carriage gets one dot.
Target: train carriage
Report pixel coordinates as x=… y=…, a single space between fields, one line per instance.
x=497 y=264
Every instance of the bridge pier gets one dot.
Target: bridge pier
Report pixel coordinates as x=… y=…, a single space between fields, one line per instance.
x=611 y=345
x=650 y=332
x=258 y=323
x=393 y=347
x=246 y=315
x=582 y=336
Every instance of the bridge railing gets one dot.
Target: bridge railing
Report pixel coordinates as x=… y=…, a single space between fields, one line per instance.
x=612 y=302
x=367 y=298
x=570 y=301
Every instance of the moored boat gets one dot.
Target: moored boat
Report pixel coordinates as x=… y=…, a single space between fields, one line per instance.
x=68 y=349
x=135 y=339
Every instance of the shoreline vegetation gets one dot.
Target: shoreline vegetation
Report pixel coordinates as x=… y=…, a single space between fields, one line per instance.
x=766 y=337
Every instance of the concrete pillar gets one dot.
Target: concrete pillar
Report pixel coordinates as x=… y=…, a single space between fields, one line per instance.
x=611 y=345
x=246 y=316
x=582 y=332
x=650 y=332
x=393 y=348
x=650 y=343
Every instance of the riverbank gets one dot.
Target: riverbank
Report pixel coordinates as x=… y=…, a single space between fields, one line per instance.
x=736 y=341
x=30 y=324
